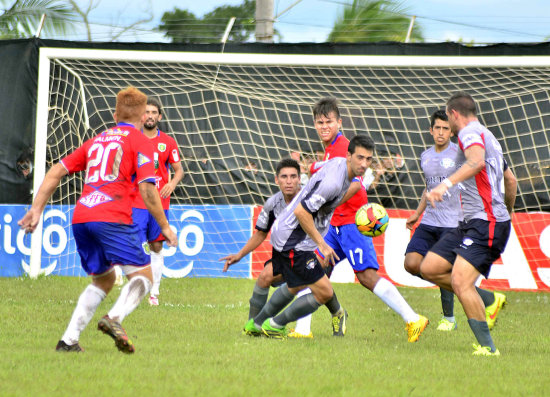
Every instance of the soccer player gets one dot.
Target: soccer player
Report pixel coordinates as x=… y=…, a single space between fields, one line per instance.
x=166 y=155
x=457 y=260
x=343 y=235
x=288 y=178
x=295 y=235
x=439 y=162
x=102 y=220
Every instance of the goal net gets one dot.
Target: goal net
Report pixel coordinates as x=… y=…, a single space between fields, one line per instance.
x=235 y=116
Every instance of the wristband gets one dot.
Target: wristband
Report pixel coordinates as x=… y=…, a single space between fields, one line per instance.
x=447 y=182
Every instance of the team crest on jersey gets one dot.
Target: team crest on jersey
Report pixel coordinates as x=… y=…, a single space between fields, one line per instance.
x=93 y=199
x=162 y=147
x=146 y=248
x=142 y=159
x=447 y=163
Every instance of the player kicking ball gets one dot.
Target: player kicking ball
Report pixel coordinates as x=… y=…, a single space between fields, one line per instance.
x=102 y=224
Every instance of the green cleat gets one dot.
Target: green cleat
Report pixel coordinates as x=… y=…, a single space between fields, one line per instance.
x=415 y=328
x=339 y=324
x=250 y=329
x=446 y=325
x=492 y=312
x=484 y=351
x=272 y=332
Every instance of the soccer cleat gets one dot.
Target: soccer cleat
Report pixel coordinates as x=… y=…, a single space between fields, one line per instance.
x=63 y=347
x=415 y=328
x=297 y=335
x=250 y=329
x=115 y=331
x=446 y=325
x=272 y=332
x=491 y=312
x=484 y=351
x=339 y=324
x=153 y=300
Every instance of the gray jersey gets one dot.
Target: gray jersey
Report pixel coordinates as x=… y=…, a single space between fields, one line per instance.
x=437 y=167
x=271 y=210
x=483 y=195
x=320 y=197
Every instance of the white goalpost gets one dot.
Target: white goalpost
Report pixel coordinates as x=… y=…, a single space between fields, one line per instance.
x=236 y=115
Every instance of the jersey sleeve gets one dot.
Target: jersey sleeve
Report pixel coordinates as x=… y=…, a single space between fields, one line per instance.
x=322 y=192
x=469 y=138
x=174 y=151
x=77 y=160
x=266 y=217
x=144 y=164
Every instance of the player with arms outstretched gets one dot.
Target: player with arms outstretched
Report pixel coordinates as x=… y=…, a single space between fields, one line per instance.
x=166 y=155
x=343 y=235
x=439 y=162
x=457 y=260
x=288 y=179
x=102 y=220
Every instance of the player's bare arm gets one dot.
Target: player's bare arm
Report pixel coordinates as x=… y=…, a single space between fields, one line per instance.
x=151 y=198
x=51 y=180
x=354 y=187
x=171 y=186
x=475 y=162
x=252 y=243
x=307 y=224
x=411 y=220
x=510 y=189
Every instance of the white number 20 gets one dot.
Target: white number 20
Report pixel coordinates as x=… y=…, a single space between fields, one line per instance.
x=101 y=160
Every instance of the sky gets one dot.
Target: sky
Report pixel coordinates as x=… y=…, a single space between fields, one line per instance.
x=480 y=21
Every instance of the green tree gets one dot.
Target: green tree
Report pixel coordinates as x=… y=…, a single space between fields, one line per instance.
x=20 y=18
x=373 y=20
x=183 y=26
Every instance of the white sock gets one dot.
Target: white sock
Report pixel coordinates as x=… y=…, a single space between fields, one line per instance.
x=303 y=325
x=391 y=297
x=87 y=304
x=130 y=297
x=157 y=263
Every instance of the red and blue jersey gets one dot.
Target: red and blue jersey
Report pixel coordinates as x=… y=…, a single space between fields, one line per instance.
x=113 y=160
x=165 y=153
x=345 y=213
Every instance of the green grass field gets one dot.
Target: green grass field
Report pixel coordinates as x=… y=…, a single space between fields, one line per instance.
x=192 y=345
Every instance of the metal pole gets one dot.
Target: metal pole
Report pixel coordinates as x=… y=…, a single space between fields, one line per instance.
x=40 y=26
x=408 y=38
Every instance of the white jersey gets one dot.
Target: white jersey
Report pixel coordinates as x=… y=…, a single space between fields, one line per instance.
x=437 y=166
x=320 y=197
x=483 y=195
x=271 y=210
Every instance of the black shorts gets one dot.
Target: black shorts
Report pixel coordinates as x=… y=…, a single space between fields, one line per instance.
x=297 y=267
x=479 y=242
x=274 y=284
x=425 y=237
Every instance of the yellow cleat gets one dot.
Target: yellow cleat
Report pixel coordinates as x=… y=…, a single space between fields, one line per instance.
x=491 y=312
x=415 y=328
x=296 y=335
x=484 y=351
x=446 y=325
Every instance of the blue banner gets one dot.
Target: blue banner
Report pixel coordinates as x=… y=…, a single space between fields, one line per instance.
x=205 y=234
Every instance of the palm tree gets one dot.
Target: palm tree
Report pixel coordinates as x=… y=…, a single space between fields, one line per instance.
x=20 y=18
x=373 y=20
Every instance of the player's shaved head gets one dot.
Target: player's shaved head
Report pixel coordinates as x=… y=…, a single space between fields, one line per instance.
x=130 y=104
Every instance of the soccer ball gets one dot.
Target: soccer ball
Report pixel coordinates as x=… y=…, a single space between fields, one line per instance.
x=372 y=219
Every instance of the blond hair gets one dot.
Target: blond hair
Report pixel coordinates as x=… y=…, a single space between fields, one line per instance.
x=130 y=104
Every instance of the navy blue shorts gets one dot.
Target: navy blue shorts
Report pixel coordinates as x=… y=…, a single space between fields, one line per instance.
x=147 y=224
x=479 y=242
x=297 y=267
x=425 y=237
x=104 y=244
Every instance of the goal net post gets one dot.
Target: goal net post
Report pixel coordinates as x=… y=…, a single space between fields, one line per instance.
x=235 y=116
